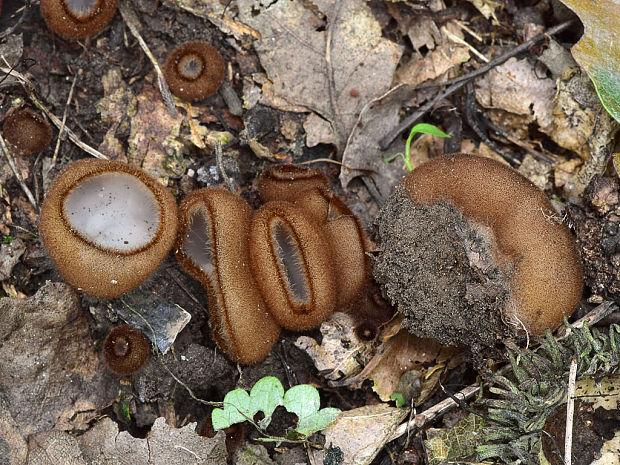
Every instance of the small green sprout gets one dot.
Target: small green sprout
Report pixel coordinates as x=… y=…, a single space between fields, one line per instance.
x=421 y=128
x=303 y=400
x=7 y=239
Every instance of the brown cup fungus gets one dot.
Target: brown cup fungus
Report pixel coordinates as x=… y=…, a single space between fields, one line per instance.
x=288 y=182
x=213 y=247
x=472 y=252
x=126 y=350
x=194 y=71
x=27 y=131
x=291 y=261
x=107 y=226
x=77 y=19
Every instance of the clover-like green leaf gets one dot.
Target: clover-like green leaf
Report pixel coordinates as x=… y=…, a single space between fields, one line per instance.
x=236 y=410
x=265 y=396
x=304 y=401
x=240 y=406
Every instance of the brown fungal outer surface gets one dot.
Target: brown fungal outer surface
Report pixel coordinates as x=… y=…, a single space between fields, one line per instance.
x=288 y=182
x=521 y=254
x=28 y=131
x=346 y=237
x=77 y=19
x=96 y=270
x=194 y=71
x=213 y=247
x=126 y=350
x=291 y=261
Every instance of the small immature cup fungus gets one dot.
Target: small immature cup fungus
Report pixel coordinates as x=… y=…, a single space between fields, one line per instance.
x=77 y=19
x=126 y=350
x=27 y=131
x=213 y=247
x=291 y=261
x=194 y=71
x=288 y=182
x=468 y=244
x=107 y=226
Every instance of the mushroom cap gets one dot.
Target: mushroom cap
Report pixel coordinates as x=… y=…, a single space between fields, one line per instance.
x=77 y=19
x=107 y=226
x=126 y=350
x=291 y=261
x=547 y=282
x=213 y=247
x=194 y=71
x=28 y=131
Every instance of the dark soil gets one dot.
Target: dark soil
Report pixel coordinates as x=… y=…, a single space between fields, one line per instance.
x=437 y=270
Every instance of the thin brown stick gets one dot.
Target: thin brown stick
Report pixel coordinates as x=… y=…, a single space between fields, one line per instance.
x=133 y=23
x=25 y=10
x=437 y=410
x=64 y=118
x=9 y=159
x=502 y=59
x=456 y=84
x=570 y=411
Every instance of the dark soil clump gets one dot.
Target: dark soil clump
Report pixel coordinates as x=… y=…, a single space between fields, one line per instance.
x=438 y=271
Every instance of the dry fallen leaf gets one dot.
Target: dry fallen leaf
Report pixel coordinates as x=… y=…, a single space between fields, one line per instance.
x=598 y=51
x=362 y=432
x=363 y=155
x=331 y=66
x=337 y=354
x=516 y=95
x=153 y=141
x=50 y=369
x=407 y=353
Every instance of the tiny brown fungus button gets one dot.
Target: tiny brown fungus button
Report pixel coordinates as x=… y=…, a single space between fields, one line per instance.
x=471 y=252
x=194 y=71
x=107 y=226
x=77 y=19
x=27 y=131
x=126 y=350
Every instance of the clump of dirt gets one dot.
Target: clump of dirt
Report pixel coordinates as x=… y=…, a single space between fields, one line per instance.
x=438 y=271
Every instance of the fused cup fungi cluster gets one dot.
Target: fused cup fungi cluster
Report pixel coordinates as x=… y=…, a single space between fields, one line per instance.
x=493 y=256
x=194 y=71
x=27 y=131
x=77 y=19
x=107 y=225
x=277 y=267
x=126 y=350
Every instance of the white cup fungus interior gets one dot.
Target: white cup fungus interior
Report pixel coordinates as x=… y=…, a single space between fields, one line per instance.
x=115 y=211
x=197 y=243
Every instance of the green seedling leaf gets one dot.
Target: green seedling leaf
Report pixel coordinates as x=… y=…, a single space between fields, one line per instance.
x=304 y=401
x=598 y=51
x=420 y=128
x=265 y=396
x=236 y=410
x=240 y=406
x=399 y=399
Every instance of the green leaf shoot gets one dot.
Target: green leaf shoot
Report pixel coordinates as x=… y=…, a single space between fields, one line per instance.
x=420 y=128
